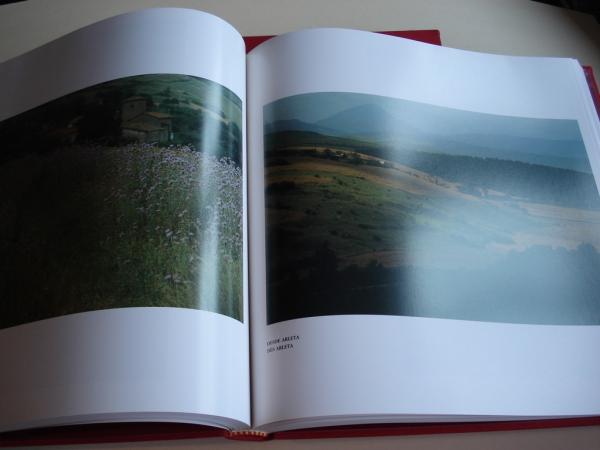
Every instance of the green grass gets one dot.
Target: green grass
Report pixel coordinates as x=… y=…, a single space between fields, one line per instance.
x=91 y=227
x=356 y=215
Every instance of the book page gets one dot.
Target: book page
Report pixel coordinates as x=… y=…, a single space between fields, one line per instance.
x=429 y=219
x=122 y=243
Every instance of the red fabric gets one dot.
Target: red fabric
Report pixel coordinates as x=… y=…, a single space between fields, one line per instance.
x=428 y=36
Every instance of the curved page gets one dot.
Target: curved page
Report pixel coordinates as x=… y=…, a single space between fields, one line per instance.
x=122 y=255
x=430 y=226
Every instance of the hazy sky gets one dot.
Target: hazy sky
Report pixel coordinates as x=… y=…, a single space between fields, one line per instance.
x=314 y=107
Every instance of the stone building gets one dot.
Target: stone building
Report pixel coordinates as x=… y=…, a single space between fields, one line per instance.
x=142 y=125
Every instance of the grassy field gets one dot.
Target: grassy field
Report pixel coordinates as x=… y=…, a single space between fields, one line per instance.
x=95 y=228
x=362 y=210
x=98 y=221
x=351 y=233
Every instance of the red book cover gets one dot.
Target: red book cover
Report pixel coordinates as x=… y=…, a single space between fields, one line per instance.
x=132 y=432
x=137 y=432
x=591 y=80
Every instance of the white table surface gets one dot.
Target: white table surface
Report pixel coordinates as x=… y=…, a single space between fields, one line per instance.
x=517 y=27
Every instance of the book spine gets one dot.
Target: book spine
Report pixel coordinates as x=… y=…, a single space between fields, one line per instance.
x=247 y=435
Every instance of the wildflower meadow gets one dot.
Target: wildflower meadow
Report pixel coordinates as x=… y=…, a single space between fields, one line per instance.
x=94 y=225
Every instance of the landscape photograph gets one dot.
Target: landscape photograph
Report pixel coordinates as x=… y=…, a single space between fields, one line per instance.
x=378 y=205
x=123 y=194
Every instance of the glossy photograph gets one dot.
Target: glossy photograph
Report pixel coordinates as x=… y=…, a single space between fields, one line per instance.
x=378 y=205
x=123 y=194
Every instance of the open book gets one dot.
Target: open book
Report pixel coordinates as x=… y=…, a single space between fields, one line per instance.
x=339 y=228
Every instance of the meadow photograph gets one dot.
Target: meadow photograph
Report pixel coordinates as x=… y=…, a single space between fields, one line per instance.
x=123 y=194
x=384 y=206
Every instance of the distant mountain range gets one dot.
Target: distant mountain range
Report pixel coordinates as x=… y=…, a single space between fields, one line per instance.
x=298 y=125
x=454 y=132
